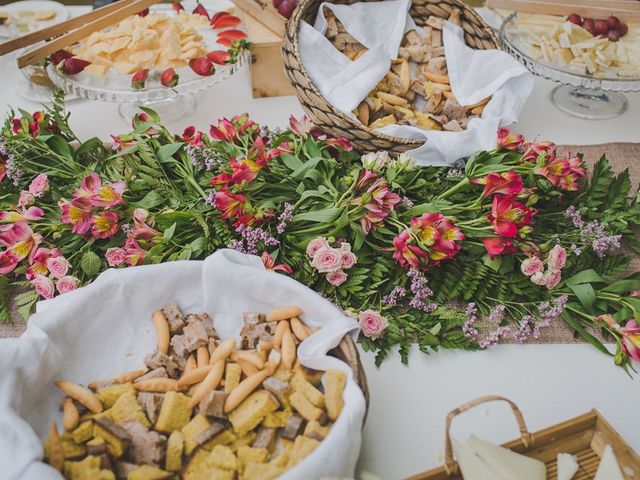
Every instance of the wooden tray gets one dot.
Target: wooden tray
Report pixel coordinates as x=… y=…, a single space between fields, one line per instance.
x=584 y=436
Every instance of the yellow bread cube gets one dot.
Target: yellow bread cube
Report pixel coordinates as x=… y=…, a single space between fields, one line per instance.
x=304 y=407
x=243 y=440
x=83 y=432
x=116 y=439
x=73 y=450
x=87 y=469
x=261 y=471
x=175 y=447
x=223 y=457
x=334 y=383
x=148 y=472
x=248 y=454
x=283 y=374
x=232 y=374
x=283 y=456
x=300 y=384
x=252 y=411
x=316 y=431
x=224 y=438
x=312 y=376
x=127 y=409
x=191 y=430
x=302 y=446
x=106 y=475
x=109 y=395
x=277 y=419
x=199 y=468
x=174 y=413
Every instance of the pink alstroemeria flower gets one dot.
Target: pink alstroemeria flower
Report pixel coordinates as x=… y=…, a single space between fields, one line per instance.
x=507 y=216
x=39 y=262
x=341 y=142
x=141 y=230
x=533 y=151
x=507 y=183
x=21 y=243
x=135 y=254
x=39 y=185
x=89 y=186
x=109 y=196
x=21 y=215
x=498 y=246
x=304 y=127
x=190 y=135
x=224 y=131
x=121 y=142
x=381 y=202
x=407 y=253
x=630 y=334
x=509 y=141
x=105 y=225
x=270 y=264
x=230 y=204
x=78 y=214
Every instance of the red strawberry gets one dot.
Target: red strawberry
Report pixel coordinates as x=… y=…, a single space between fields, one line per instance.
x=60 y=55
x=139 y=79
x=177 y=6
x=169 y=78
x=202 y=66
x=222 y=21
x=219 y=57
x=200 y=10
x=232 y=35
x=71 y=66
x=143 y=13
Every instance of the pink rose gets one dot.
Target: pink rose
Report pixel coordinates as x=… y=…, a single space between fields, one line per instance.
x=336 y=278
x=39 y=185
x=315 y=245
x=26 y=199
x=326 y=259
x=557 y=258
x=44 y=286
x=372 y=323
x=531 y=265
x=539 y=278
x=115 y=256
x=553 y=279
x=58 y=266
x=67 y=284
x=348 y=259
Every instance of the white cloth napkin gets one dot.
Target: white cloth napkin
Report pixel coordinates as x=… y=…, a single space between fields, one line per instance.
x=104 y=329
x=474 y=75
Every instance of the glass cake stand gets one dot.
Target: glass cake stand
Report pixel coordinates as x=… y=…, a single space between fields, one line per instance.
x=580 y=95
x=170 y=103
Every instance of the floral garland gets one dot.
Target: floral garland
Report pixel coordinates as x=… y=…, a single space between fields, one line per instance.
x=451 y=258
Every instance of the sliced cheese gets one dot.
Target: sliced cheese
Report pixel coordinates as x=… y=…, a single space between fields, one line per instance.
x=471 y=465
x=608 y=468
x=507 y=464
x=567 y=466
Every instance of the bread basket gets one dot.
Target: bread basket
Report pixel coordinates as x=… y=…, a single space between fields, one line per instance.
x=477 y=34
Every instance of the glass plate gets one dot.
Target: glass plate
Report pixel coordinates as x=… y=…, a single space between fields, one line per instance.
x=170 y=103
x=581 y=95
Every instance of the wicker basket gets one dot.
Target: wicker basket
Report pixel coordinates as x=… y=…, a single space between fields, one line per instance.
x=477 y=35
x=585 y=437
x=348 y=353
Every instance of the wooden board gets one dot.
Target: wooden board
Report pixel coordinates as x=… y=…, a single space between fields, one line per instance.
x=265 y=13
x=627 y=10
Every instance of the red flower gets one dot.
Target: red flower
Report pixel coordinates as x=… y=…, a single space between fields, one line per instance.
x=534 y=150
x=407 y=254
x=507 y=216
x=508 y=183
x=230 y=204
x=242 y=172
x=270 y=264
x=377 y=200
x=190 y=135
x=341 y=142
x=509 y=141
x=498 y=246
x=563 y=172
x=224 y=131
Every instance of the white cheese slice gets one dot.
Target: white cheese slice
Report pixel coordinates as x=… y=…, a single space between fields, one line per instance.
x=608 y=468
x=471 y=465
x=567 y=466
x=507 y=464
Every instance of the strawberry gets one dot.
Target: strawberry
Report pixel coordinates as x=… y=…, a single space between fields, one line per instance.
x=169 y=78
x=227 y=37
x=200 y=10
x=202 y=66
x=177 y=7
x=223 y=19
x=139 y=79
x=219 y=57
x=71 y=66
x=143 y=13
x=60 y=55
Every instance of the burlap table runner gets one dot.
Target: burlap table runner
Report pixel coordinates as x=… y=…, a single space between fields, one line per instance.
x=620 y=155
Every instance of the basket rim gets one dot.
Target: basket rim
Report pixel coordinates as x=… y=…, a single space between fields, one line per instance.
x=293 y=28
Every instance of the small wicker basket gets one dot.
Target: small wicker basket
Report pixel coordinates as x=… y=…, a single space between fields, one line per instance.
x=348 y=353
x=477 y=35
x=585 y=437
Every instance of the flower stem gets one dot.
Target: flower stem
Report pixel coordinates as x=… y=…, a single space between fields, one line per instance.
x=456 y=188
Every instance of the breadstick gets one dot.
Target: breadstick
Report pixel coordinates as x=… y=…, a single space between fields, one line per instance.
x=250 y=357
x=56 y=453
x=123 y=378
x=282 y=327
x=448 y=95
x=162 y=331
x=83 y=395
x=193 y=389
x=160 y=385
x=210 y=382
x=194 y=376
x=244 y=389
x=299 y=329
x=481 y=103
x=223 y=350
x=70 y=415
x=434 y=77
x=274 y=361
x=203 y=356
x=192 y=364
x=477 y=110
x=288 y=350
x=264 y=346
x=284 y=313
x=247 y=368
x=391 y=99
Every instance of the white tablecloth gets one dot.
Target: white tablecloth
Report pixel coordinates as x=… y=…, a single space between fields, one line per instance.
x=404 y=431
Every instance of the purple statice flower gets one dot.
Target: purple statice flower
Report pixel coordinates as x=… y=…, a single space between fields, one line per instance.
x=471 y=312
x=421 y=292
x=237 y=245
x=13 y=172
x=540 y=325
x=577 y=251
x=406 y=202
x=284 y=218
x=211 y=199
x=494 y=337
x=396 y=294
x=455 y=172
x=601 y=246
x=524 y=331
x=496 y=314
x=574 y=215
x=205 y=157
x=547 y=311
x=126 y=228
x=251 y=237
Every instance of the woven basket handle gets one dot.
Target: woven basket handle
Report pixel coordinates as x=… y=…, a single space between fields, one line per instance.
x=450 y=466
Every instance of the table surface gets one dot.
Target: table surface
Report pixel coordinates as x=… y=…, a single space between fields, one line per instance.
x=404 y=431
